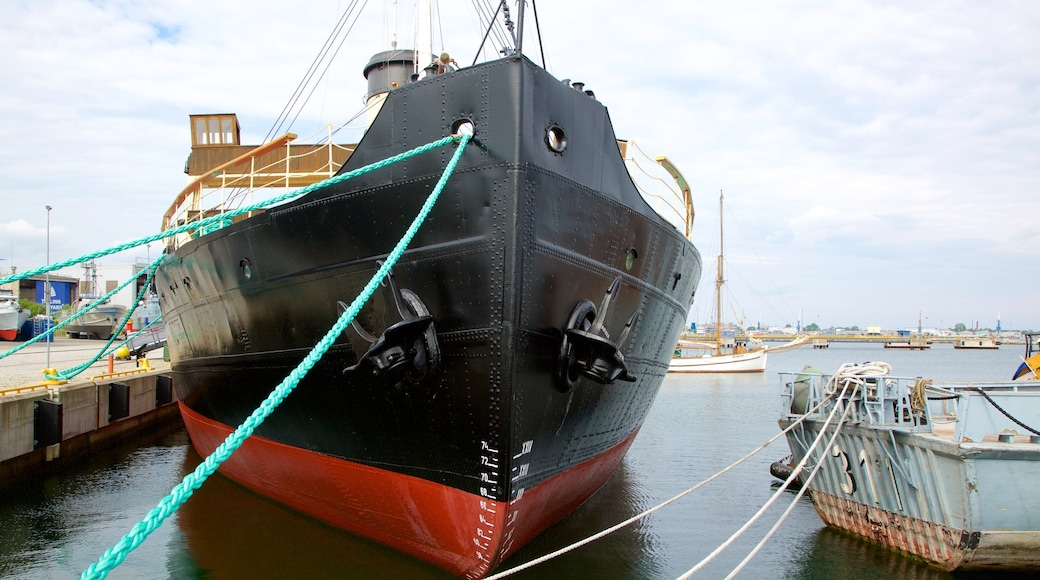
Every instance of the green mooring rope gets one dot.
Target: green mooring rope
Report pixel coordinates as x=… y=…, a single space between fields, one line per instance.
x=76 y=370
x=182 y=491
x=73 y=318
x=205 y=224
x=113 y=349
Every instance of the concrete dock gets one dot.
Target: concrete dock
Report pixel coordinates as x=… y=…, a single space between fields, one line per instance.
x=45 y=426
x=26 y=366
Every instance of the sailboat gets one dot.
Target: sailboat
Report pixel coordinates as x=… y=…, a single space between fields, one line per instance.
x=727 y=355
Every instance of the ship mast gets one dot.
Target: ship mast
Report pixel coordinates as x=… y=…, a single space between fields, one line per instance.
x=520 y=28
x=718 y=286
x=423 y=35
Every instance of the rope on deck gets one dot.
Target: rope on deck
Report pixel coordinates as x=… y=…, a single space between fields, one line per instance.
x=182 y=491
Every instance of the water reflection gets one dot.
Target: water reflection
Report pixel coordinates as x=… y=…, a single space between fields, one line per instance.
x=833 y=554
x=630 y=552
x=234 y=533
x=58 y=525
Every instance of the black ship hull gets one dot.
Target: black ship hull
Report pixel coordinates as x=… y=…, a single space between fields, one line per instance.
x=499 y=420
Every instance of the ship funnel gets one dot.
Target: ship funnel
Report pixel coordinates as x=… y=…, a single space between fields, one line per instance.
x=385 y=72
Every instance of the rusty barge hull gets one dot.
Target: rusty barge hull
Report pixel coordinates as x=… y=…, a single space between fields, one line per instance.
x=957 y=506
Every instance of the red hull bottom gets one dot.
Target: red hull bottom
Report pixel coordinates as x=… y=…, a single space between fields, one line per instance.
x=464 y=533
x=8 y=334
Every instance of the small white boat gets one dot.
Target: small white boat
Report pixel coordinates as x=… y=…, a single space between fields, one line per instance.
x=979 y=343
x=94 y=320
x=12 y=316
x=915 y=343
x=737 y=361
x=946 y=473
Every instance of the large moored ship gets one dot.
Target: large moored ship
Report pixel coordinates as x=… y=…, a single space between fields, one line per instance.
x=497 y=379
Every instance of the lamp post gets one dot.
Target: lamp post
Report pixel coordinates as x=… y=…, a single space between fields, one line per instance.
x=47 y=287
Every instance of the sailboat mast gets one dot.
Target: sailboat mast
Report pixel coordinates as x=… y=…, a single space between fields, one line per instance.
x=718 y=285
x=520 y=28
x=423 y=35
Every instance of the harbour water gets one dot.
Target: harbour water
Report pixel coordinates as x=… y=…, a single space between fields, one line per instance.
x=698 y=425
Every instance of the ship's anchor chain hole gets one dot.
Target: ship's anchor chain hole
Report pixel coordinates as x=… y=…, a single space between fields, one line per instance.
x=406 y=351
x=463 y=127
x=555 y=138
x=587 y=349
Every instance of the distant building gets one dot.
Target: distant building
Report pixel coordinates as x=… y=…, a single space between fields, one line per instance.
x=65 y=290
x=96 y=281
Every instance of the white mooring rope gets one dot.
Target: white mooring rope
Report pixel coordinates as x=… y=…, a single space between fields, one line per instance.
x=848 y=376
x=642 y=515
x=707 y=559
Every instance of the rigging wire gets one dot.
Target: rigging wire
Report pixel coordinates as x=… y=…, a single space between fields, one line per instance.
x=790 y=311
x=538 y=31
x=493 y=26
x=329 y=62
x=735 y=272
x=440 y=23
x=352 y=11
x=280 y=120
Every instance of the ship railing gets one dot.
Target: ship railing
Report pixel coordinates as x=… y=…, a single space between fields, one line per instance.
x=876 y=400
x=661 y=184
x=977 y=411
x=243 y=180
x=986 y=410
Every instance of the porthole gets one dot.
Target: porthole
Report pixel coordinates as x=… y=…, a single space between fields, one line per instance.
x=247 y=271
x=630 y=258
x=463 y=127
x=555 y=138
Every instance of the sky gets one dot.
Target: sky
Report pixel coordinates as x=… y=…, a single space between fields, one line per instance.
x=880 y=161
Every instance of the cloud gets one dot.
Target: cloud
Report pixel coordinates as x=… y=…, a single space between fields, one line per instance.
x=891 y=138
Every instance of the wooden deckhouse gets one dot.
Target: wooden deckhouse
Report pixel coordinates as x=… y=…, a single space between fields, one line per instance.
x=224 y=174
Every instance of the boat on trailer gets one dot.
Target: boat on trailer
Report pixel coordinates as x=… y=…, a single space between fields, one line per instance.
x=942 y=472
x=12 y=315
x=498 y=377
x=95 y=320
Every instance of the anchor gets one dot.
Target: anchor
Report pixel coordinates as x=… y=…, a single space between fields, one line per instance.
x=587 y=349
x=406 y=350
